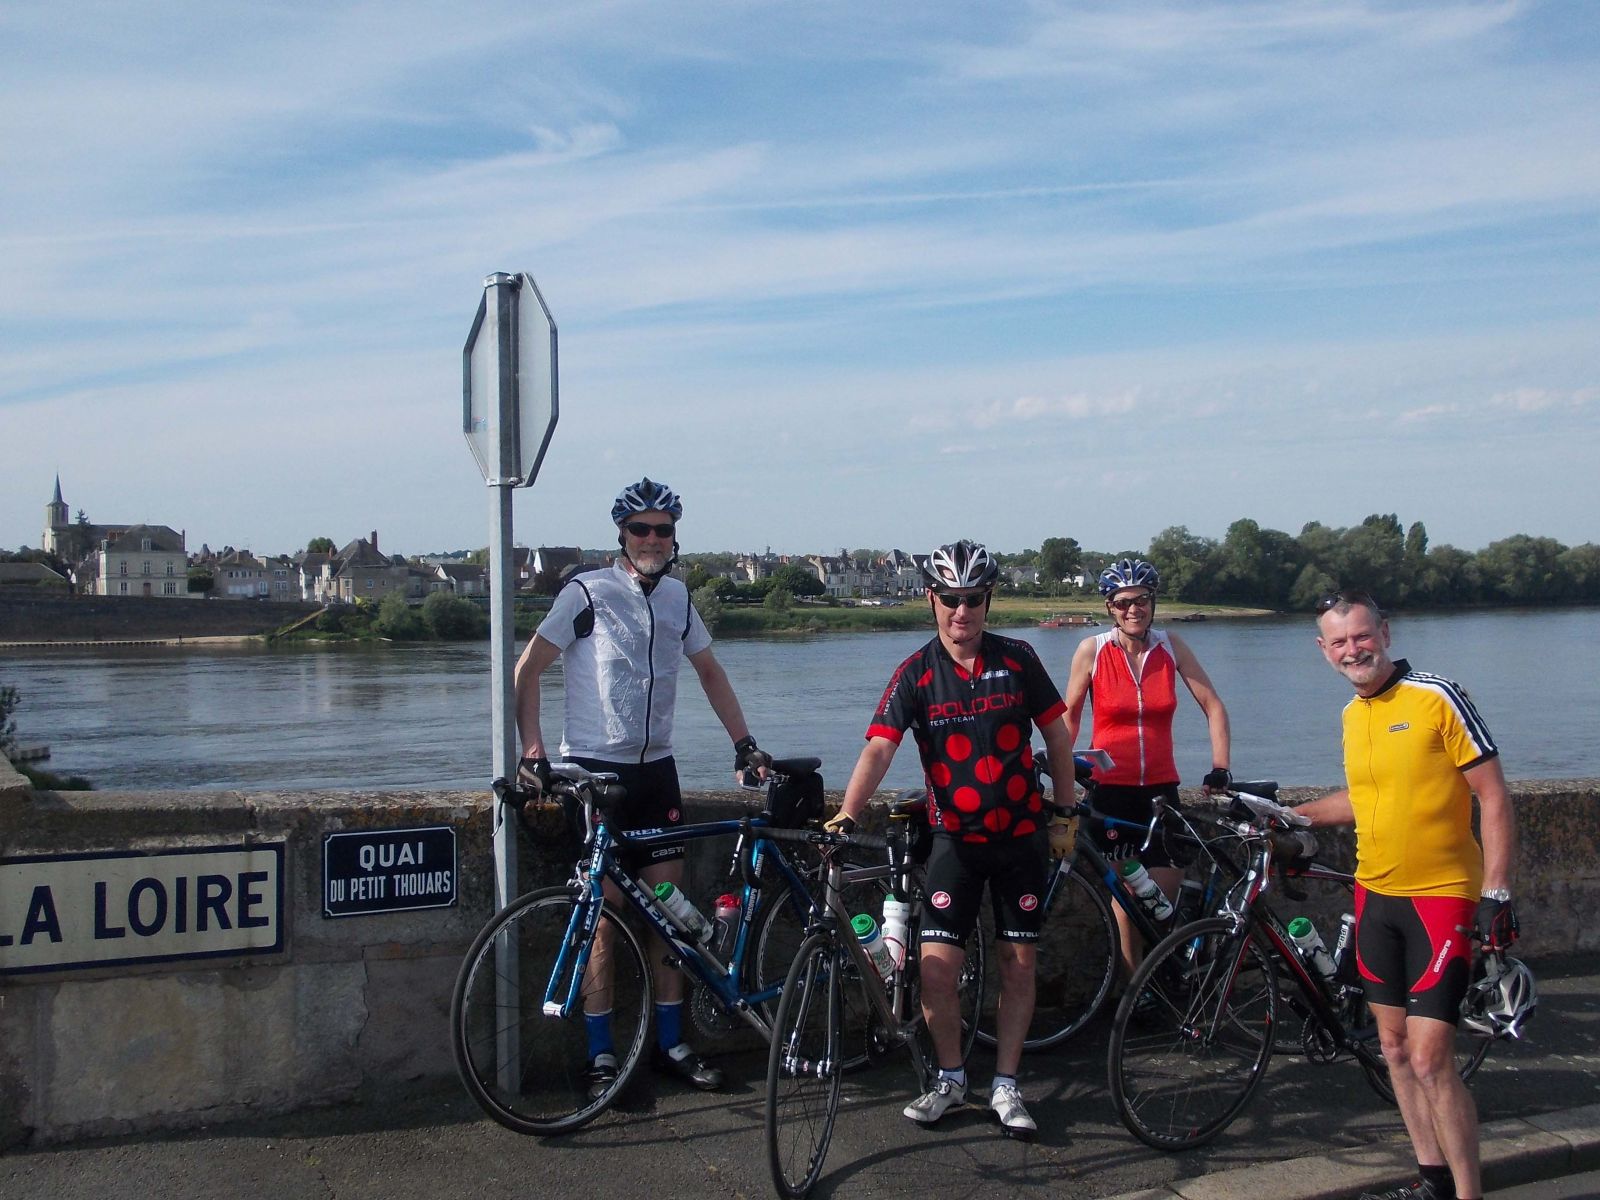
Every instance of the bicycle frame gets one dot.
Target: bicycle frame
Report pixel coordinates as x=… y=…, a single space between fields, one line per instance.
x=601 y=863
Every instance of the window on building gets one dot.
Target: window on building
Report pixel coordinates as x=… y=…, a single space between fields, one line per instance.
x=147 y=566
x=122 y=568
x=171 y=570
x=122 y=588
x=169 y=588
x=144 y=545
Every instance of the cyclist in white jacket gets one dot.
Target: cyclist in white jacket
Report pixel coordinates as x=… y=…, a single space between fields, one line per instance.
x=622 y=633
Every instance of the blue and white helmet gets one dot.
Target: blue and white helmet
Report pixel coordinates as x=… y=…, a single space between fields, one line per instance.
x=961 y=564
x=1129 y=573
x=645 y=496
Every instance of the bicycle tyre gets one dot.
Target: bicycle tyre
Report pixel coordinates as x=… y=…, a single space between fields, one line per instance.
x=803 y=1068
x=970 y=985
x=779 y=931
x=1184 y=1064
x=526 y=1070
x=1471 y=1050
x=1078 y=955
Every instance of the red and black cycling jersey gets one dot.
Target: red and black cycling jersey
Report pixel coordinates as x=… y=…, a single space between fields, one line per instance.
x=973 y=732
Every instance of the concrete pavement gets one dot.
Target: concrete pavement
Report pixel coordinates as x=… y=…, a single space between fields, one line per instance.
x=1312 y=1132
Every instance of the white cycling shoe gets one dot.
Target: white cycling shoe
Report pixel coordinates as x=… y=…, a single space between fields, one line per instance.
x=1006 y=1103
x=939 y=1099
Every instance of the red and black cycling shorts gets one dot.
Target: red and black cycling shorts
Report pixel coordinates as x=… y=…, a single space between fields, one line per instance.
x=1415 y=952
x=1132 y=805
x=1016 y=872
x=654 y=802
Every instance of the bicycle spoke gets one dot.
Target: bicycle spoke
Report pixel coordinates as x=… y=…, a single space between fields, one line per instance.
x=803 y=1068
x=529 y=1071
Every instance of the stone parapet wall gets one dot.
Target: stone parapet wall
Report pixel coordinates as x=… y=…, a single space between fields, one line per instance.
x=125 y=618
x=355 y=1005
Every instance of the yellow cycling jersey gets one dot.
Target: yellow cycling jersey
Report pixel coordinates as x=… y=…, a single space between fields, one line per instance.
x=1404 y=752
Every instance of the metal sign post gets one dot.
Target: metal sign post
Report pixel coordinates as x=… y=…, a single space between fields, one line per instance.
x=510 y=403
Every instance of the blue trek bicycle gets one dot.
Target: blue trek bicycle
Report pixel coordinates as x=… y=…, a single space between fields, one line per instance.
x=556 y=954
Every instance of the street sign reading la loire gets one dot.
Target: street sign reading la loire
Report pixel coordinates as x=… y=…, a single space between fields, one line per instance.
x=62 y=911
x=388 y=870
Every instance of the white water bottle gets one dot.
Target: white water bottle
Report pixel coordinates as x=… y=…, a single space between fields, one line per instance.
x=897 y=928
x=866 y=929
x=1138 y=881
x=726 y=920
x=1309 y=942
x=681 y=912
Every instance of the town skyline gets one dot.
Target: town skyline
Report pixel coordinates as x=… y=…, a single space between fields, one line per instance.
x=1090 y=268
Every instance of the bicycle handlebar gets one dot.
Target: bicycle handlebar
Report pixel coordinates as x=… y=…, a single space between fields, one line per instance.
x=826 y=839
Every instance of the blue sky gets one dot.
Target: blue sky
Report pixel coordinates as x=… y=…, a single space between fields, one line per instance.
x=844 y=274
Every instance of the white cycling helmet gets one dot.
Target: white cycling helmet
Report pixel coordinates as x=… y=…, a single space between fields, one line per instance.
x=645 y=496
x=1500 y=1003
x=961 y=564
x=1129 y=573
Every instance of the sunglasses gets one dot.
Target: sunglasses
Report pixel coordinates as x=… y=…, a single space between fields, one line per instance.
x=1353 y=597
x=950 y=600
x=641 y=529
x=1127 y=602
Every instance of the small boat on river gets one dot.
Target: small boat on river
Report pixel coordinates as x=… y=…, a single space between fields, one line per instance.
x=1066 y=620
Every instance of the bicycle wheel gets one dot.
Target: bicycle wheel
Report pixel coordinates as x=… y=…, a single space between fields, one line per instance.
x=779 y=929
x=970 y=988
x=1471 y=1049
x=527 y=1070
x=1193 y=1035
x=1077 y=963
x=803 y=1068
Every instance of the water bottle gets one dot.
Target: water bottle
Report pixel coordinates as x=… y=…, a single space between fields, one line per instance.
x=681 y=912
x=866 y=929
x=726 y=921
x=1344 y=951
x=1309 y=942
x=1138 y=881
x=897 y=928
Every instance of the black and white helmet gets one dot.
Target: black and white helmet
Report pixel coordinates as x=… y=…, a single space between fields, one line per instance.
x=1129 y=573
x=1500 y=1003
x=961 y=564
x=645 y=496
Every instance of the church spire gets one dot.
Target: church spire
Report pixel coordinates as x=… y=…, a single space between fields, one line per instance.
x=57 y=498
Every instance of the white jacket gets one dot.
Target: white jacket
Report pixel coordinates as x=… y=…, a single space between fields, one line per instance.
x=622 y=679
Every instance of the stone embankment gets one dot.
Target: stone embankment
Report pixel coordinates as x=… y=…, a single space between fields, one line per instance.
x=202 y=971
x=54 y=620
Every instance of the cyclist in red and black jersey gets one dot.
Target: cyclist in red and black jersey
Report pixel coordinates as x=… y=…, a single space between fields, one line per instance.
x=971 y=699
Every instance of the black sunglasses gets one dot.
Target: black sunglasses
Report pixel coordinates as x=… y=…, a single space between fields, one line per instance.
x=952 y=601
x=1126 y=602
x=641 y=529
x=1352 y=597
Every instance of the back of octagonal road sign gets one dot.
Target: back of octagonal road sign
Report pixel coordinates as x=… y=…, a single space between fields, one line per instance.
x=510 y=387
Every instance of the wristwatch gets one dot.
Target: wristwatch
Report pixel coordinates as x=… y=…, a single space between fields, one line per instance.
x=1500 y=894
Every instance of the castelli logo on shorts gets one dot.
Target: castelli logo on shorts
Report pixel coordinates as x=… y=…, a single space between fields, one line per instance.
x=940 y=899
x=674 y=815
x=1028 y=903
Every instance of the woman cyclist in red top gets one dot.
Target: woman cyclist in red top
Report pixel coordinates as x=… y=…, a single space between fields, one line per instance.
x=1129 y=676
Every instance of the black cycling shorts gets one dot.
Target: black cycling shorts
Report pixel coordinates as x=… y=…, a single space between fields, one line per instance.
x=1415 y=952
x=1131 y=804
x=1016 y=872
x=654 y=801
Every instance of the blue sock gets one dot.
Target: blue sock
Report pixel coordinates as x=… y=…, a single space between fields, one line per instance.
x=599 y=1027
x=957 y=1077
x=669 y=1025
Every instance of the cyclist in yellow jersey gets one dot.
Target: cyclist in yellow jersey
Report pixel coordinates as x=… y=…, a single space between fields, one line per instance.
x=1415 y=752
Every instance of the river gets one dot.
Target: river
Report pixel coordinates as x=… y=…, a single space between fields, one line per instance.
x=310 y=716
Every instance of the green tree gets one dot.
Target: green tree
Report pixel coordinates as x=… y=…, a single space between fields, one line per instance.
x=201 y=580
x=1185 y=562
x=1310 y=585
x=320 y=545
x=1523 y=570
x=779 y=599
x=1374 y=552
x=709 y=604
x=398 y=621
x=796 y=580
x=1059 y=557
x=1581 y=566
x=454 y=618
